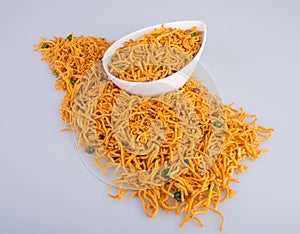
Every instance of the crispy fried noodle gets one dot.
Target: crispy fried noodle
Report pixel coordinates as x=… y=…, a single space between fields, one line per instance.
x=180 y=151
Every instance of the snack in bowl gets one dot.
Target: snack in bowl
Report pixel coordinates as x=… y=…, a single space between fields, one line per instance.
x=157 y=59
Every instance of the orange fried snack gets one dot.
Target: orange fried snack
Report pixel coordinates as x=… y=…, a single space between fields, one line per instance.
x=227 y=136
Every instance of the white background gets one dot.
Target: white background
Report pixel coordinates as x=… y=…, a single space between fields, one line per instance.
x=252 y=51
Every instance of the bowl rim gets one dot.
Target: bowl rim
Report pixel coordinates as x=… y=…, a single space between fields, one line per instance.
x=111 y=51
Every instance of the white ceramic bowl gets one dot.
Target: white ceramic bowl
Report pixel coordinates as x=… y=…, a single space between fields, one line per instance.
x=161 y=86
